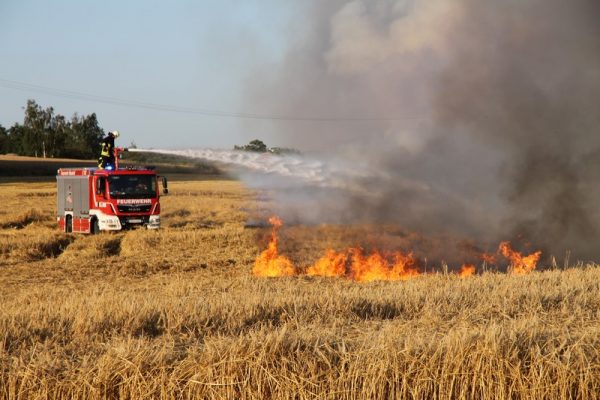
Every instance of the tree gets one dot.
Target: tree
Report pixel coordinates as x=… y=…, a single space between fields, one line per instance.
x=259 y=147
x=86 y=136
x=46 y=134
x=256 y=145
x=38 y=127
x=3 y=140
x=16 y=138
x=58 y=136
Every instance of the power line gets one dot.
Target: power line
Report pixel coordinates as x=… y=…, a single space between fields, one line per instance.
x=69 y=94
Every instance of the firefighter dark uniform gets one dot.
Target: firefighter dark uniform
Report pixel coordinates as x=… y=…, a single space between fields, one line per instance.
x=107 y=150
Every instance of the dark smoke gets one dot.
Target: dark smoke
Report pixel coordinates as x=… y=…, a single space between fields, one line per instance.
x=488 y=115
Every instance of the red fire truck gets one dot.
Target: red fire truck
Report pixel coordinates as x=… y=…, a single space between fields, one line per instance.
x=91 y=200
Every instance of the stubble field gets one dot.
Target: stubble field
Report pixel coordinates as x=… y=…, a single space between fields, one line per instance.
x=177 y=314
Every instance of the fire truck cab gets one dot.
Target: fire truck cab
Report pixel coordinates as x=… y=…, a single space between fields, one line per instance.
x=91 y=200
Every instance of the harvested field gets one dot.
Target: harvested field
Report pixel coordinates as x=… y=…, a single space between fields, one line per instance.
x=177 y=314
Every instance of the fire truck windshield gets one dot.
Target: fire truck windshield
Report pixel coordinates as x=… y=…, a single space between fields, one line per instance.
x=132 y=186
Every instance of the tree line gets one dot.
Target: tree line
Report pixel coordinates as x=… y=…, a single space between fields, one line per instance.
x=258 y=146
x=44 y=133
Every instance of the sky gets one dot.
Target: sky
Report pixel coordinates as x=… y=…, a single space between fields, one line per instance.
x=196 y=55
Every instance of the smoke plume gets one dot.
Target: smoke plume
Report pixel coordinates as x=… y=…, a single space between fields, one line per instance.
x=481 y=117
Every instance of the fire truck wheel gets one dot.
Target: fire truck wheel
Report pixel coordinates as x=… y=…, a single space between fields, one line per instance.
x=95 y=228
x=69 y=224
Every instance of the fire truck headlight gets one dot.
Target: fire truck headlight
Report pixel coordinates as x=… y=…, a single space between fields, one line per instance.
x=110 y=222
x=154 y=222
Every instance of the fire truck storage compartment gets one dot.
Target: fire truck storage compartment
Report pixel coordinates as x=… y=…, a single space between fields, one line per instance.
x=73 y=195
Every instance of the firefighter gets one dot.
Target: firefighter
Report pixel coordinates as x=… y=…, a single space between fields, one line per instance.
x=107 y=152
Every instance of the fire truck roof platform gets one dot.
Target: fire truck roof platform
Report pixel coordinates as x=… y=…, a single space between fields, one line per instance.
x=86 y=171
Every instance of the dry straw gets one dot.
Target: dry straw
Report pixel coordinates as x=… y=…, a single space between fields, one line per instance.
x=176 y=314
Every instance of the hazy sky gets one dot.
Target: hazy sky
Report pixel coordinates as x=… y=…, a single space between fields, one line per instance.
x=191 y=54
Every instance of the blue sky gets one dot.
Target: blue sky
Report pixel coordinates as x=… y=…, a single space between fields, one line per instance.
x=195 y=54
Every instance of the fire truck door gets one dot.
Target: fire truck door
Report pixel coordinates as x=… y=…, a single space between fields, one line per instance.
x=84 y=198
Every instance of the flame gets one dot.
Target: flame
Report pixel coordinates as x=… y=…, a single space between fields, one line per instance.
x=519 y=264
x=332 y=264
x=275 y=222
x=356 y=265
x=405 y=267
x=467 y=270
x=373 y=267
x=269 y=263
x=376 y=267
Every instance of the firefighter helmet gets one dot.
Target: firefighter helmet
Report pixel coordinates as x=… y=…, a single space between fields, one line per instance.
x=115 y=134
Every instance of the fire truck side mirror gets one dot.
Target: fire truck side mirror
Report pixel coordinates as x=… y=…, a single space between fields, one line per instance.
x=165 y=185
x=100 y=186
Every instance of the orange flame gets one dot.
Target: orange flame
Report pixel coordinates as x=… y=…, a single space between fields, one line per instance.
x=368 y=268
x=467 y=270
x=519 y=264
x=356 y=265
x=405 y=267
x=269 y=263
x=332 y=264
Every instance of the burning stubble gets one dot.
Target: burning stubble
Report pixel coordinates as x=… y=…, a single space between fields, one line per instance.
x=485 y=124
x=353 y=263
